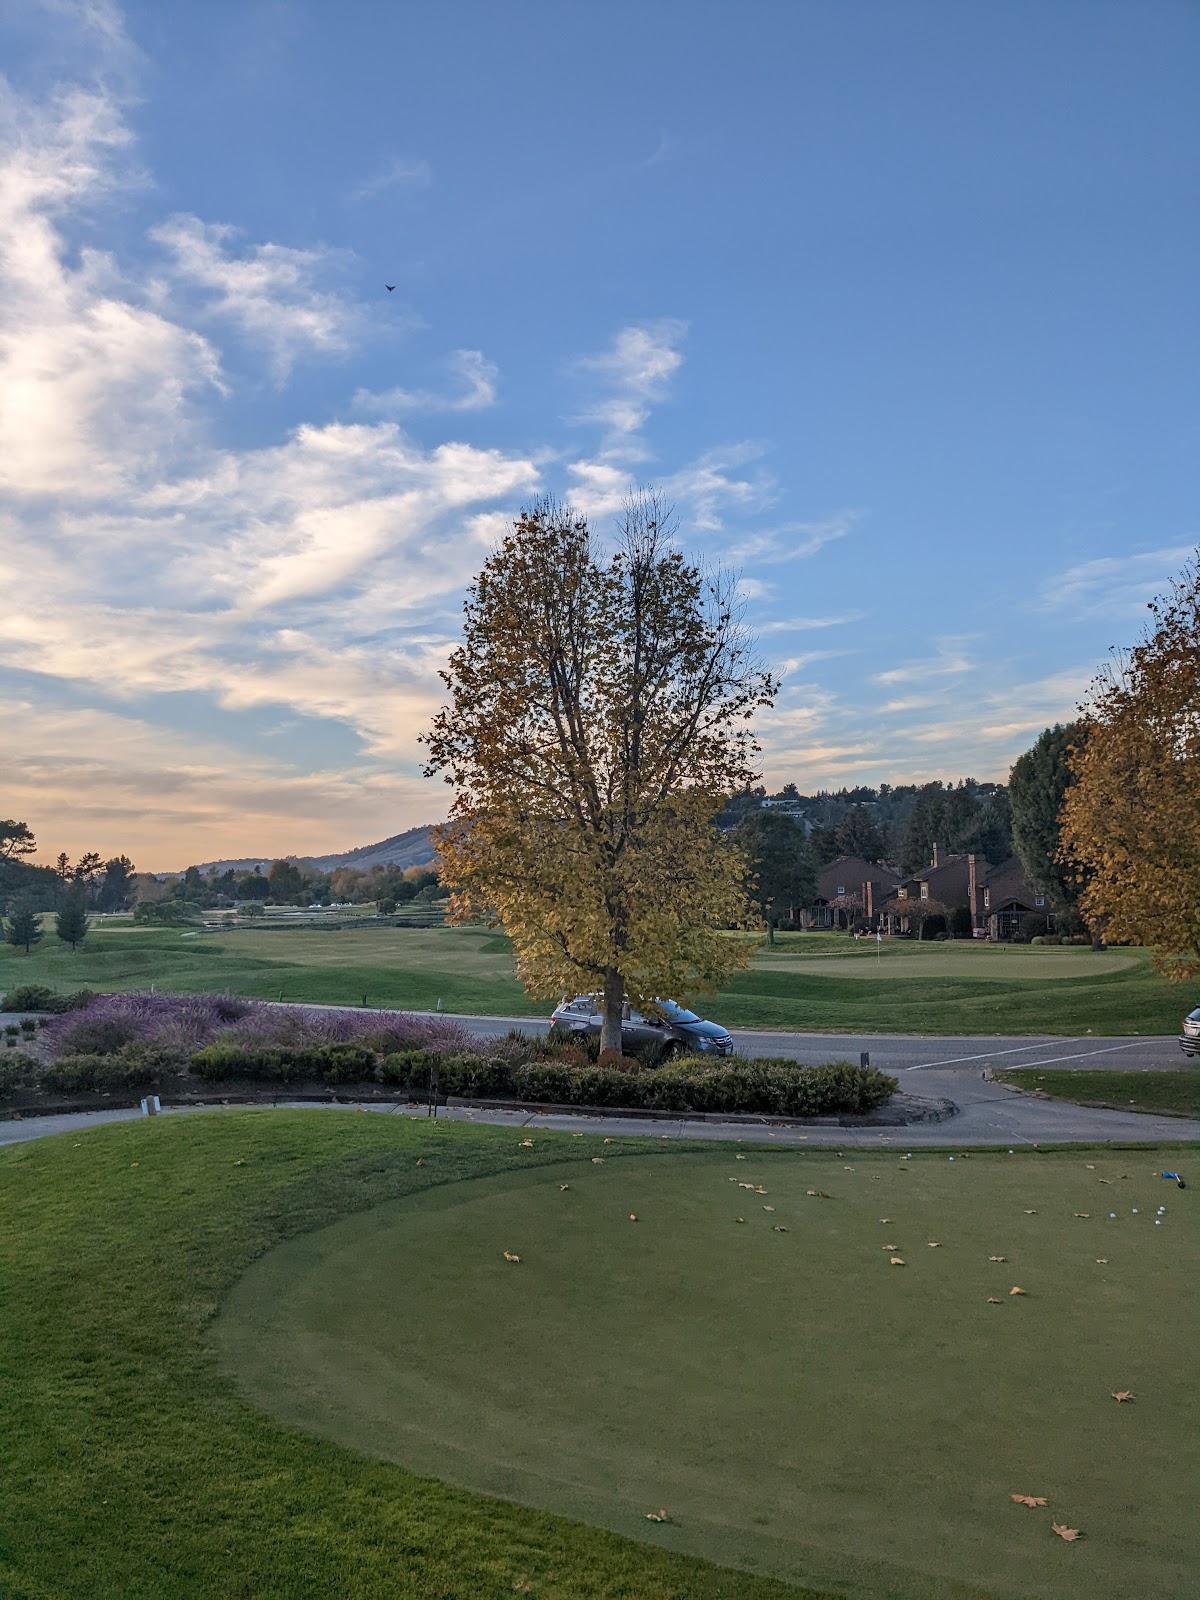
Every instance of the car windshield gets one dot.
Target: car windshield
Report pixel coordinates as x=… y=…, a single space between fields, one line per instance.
x=674 y=1013
x=1194 y=1016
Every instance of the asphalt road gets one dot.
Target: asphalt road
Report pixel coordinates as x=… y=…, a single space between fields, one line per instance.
x=901 y=1053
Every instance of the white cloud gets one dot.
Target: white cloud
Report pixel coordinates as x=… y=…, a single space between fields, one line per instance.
x=950 y=659
x=1115 y=586
x=635 y=373
x=839 y=619
x=477 y=374
x=397 y=172
x=271 y=292
x=793 y=541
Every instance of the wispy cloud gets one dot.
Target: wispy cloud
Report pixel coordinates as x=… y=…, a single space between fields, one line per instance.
x=793 y=541
x=397 y=172
x=635 y=373
x=950 y=659
x=273 y=293
x=477 y=375
x=839 y=619
x=1115 y=586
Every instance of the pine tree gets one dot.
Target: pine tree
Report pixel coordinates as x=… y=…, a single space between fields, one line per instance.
x=24 y=927
x=72 y=922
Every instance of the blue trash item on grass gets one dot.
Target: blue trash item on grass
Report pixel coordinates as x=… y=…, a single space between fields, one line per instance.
x=1175 y=1178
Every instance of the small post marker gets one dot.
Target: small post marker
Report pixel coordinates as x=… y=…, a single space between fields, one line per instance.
x=434 y=1078
x=151 y=1105
x=864 y=1058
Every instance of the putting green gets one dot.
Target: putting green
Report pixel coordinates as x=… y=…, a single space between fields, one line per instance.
x=795 y=1402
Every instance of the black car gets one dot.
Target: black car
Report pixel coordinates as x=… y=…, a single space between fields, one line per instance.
x=1189 y=1039
x=678 y=1031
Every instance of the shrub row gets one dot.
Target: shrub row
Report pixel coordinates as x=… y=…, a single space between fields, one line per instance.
x=37 y=997
x=692 y=1083
x=135 y=1066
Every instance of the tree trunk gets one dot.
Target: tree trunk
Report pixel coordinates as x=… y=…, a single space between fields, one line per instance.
x=612 y=1005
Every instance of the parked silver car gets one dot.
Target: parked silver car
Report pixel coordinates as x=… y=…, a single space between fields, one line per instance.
x=1189 y=1039
x=678 y=1031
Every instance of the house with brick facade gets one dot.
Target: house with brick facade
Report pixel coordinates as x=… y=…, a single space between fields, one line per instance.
x=853 y=892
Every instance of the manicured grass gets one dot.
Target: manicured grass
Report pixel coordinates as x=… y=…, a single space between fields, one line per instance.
x=1177 y=1092
x=130 y=1468
x=794 y=1401
x=812 y=982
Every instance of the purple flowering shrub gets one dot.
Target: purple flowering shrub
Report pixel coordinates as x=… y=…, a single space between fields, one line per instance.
x=181 y=1024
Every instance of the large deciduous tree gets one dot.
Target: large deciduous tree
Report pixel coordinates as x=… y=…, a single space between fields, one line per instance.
x=1036 y=786
x=600 y=713
x=1131 y=819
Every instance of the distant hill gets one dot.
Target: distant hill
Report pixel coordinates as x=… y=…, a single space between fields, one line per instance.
x=413 y=848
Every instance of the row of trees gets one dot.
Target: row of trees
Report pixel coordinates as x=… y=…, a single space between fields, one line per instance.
x=296 y=883
x=98 y=884
x=23 y=925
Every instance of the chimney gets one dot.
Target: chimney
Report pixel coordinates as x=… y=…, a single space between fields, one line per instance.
x=973 y=888
x=934 y=862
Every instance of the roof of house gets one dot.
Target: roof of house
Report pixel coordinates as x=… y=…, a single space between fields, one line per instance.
x=851 y=872
x=947 y=881
x=1007 y=883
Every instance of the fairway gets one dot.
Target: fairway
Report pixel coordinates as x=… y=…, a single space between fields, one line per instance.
x=796 y=1403
x=808 y=982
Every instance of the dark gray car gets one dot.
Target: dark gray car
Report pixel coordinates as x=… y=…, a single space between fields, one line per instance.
x=678 y=1031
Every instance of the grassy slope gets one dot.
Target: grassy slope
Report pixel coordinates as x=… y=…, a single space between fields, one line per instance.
x=808 y=982
x=1176 y=1092
x=129 y=1467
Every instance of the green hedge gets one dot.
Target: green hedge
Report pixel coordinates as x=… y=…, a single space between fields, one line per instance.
x=137 y=1066
x=690 y=1083
x=37 y=997
x=274 y=1063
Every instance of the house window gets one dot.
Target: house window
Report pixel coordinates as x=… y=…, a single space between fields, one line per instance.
x=924 y=891
x=987 y=898
x=841 y=888
x=1039 y=900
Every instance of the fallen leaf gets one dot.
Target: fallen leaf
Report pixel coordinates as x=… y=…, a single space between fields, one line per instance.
x=1016 y=1289
x=777 y=1227
x=739 y=1219
x=992 y=1301
x=658 y=1516
x=563 y=1187
x=1101 y=1261
x=508 y=1256
x=758 y=1189
x=889 y=1247
x=1030 y=1500
x=934 y=1244
x=817 y=1194
x=1063 y=1532
x=241 y=1162
x=897 y=1262
x=1031 y=1213
x=596 y=1160
x=1106 y=1180
x=608 y=1141
x=1121 y=1395
x=526 y=1144
x=768 y=1208
x=1082 y=1213
x=997 y=1258
x=739 y=1158
x=885 y=1220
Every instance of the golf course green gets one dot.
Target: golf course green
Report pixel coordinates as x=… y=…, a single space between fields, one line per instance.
x=809 y=1366
x=816 y=981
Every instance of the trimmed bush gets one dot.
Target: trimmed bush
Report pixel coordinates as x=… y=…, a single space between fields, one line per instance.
x=96 y=1036
x=31 y=997
x=15 y=1069
x=230 y=1058
x=136 y=1066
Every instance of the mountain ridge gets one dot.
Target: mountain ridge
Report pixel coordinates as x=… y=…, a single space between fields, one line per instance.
x=412 y=848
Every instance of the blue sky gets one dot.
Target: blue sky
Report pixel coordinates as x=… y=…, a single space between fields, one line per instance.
x=896 y=300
